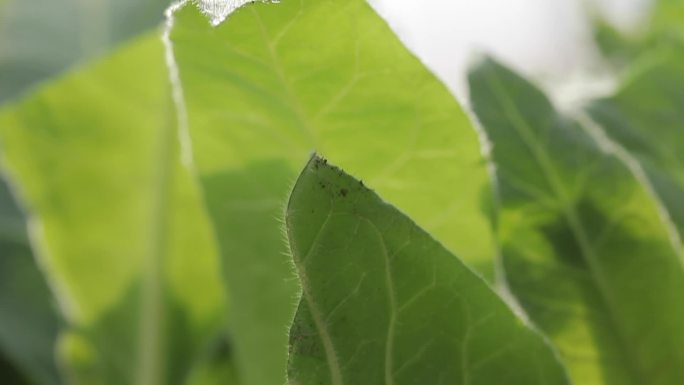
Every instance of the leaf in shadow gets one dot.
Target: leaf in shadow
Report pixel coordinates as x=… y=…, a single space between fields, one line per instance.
x=585 y=249
x=384 y=303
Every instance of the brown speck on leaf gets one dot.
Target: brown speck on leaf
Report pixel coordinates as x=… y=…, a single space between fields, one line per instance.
x=343 y=192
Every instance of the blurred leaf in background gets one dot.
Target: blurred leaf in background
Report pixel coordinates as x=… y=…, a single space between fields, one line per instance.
x=663 y=26
x=126 y=241
x=42 y=38
x=646 y=113
x=28 y=321
x=646 y=117
x=278 y=81
x=584 y=246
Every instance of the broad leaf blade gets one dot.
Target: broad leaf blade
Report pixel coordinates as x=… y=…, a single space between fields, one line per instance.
x=124 y=235
x=276 y=81
x=584 y=248
x=384 y=303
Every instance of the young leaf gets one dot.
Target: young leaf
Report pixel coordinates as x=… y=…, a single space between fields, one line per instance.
x=584 y=248
x=28 y=319
x=384 y=303
x=646 y=117
x=276 y=81
x=123 y=236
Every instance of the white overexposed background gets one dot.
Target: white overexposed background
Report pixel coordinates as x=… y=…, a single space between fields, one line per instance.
x=549 y=40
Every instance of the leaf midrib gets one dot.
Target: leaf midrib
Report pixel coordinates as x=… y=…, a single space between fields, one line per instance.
x=292 y=99
x=152 y=342
x=542 y=158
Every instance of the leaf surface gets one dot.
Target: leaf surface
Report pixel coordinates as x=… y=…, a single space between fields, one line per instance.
x=122 y=232
x=28 y=320
x=41 y=38
x=384 y=303
x=646 y=117
x=663 y=26
x=276 y=81
x=584 y=248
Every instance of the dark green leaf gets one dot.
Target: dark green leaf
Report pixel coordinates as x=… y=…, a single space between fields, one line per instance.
x=584 y=248
x=646 y=117
x=41 y=38
x=384 y=303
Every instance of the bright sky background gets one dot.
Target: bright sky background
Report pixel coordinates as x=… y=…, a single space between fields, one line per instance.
x=543 y=38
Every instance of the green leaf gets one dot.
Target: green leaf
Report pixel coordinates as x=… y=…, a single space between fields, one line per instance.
x=9 y=373
x=667 y=20
x=384 y=303
x=276 y=81
x=584 y=248
x=645 y=117
x=28 y=320
x=663 y=27
x=42 y=38
x=122 y=232
x=217 y=367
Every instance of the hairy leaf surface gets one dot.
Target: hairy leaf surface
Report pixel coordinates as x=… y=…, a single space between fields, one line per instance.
x=384 y=303
x=584 y=248
x=276 y=81
x=118 y=220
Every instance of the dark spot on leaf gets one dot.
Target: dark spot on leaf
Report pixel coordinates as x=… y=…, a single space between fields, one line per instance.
x=343 y=192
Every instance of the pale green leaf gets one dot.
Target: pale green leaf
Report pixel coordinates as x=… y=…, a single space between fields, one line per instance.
x=276 y=81
x=584 y=248
x=121 y=232
x=384 y=303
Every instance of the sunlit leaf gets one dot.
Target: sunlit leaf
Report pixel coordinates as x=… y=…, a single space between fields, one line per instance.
x=123 y=235
x=28 y=320
x=662 y=26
